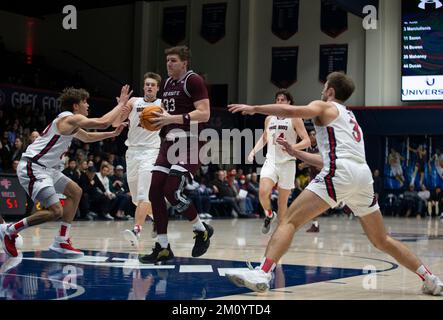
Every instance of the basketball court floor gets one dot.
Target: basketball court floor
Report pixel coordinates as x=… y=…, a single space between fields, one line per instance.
x=337 y=263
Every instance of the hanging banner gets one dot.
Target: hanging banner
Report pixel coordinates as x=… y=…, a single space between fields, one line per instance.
x=333 y=57
x=285 y=18
x=174 y=25
x=213 y=22
x=284 y=66
x=334 y=20
x=356 y=6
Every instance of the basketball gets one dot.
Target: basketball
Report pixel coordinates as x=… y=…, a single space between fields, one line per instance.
x=148 y=114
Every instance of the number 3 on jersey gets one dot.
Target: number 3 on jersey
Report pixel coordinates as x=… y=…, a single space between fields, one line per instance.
x=356 y=133
x=169 y=104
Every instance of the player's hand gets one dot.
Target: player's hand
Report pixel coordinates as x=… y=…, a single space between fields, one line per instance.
x=243 y=108
x=251 y=156
x=162 y=119
x=125 y=94
x=119 y=129
x=287 y=147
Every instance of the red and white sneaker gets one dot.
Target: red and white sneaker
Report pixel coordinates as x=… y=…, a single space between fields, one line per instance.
x=8 y=242
x=64 y=246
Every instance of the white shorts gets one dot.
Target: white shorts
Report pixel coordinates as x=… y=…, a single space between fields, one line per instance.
x=281 y=173
x=396 y=170
x=42 y=184
x=140 y=162
x=351 y=184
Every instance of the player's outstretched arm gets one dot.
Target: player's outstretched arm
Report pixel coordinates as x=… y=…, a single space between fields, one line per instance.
x=105 y=121
x=260 y=143
x=314 y=109
x=89 y=137
x=311 y=159
x=125 y=112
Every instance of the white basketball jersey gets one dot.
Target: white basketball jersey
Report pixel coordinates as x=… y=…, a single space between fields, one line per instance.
x=137 y=135
x=279 y=127
x=341 y=139
x=49 y=149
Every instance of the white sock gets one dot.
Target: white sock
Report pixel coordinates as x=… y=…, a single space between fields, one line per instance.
x=315 y=222
x=163 y=240
x=423 y=272
x=65 y=228
x=197 y=225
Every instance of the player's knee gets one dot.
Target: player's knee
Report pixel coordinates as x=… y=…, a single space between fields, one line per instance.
x=264 y=194
x=174 y=190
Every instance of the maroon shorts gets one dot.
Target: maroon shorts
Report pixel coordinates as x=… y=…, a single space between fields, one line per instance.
x=184 y=153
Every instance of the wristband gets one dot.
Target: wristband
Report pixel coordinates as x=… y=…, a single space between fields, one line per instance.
x=186 y=119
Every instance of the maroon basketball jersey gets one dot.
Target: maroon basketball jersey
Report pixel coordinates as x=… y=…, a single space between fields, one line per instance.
x=178 y=97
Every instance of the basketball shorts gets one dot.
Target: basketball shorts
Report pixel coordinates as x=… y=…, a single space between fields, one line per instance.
x=281 y=173
x=41 y=183
x=140 y=162
x=350 y=183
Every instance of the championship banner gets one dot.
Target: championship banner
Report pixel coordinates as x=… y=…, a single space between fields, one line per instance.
x=284 y=66
x=213 y=22
x=174 y=25
x=334 y=20
x=285 y=18
x=333 y=57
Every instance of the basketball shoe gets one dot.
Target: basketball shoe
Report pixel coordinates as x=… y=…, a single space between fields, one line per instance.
x=267 y=223
x=202 y=240
x=132 y=236
x=432 y=285
x=8 y=241
x=256 y=280
x=158 y=254
x=64 y=246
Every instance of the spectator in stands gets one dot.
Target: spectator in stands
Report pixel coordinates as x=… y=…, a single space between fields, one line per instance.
x=224 y=191
x=423 y=196
x=119 y=186
x=252 y=200
x=13 y=168
x=409 y=203
x=5 y=152
x=93 y=202
x=435 y=203
x=378 y=184
x=34 y=135
x=72 y=171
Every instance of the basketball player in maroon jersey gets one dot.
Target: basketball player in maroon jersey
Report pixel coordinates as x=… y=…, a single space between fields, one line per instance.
x=185 y=100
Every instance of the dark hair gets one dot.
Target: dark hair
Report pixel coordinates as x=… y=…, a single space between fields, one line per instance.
x=71 y=96
x=342 y=84
x=286 y=93
x=154 y=76
x=183 y=52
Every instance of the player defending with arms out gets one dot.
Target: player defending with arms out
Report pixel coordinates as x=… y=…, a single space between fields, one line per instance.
x=143 y=146
x=39 y=168
x=345 y=177
x=185 y=99
x=279 y=166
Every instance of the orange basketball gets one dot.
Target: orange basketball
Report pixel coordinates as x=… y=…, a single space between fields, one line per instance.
x=148 y=114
